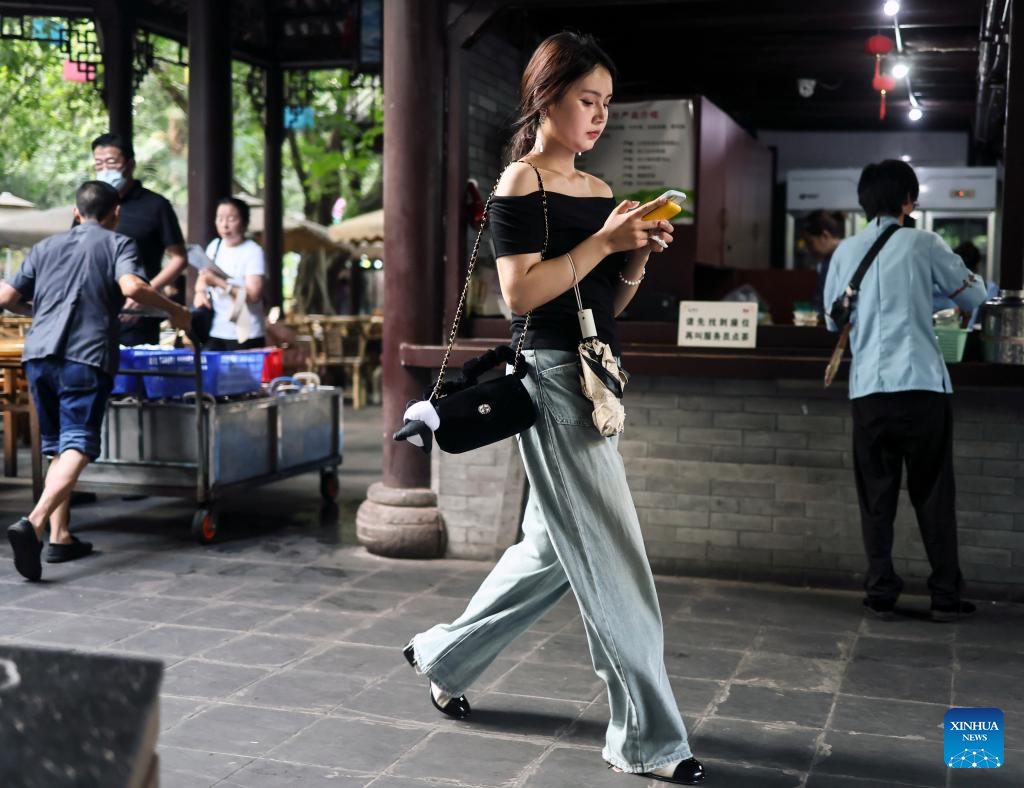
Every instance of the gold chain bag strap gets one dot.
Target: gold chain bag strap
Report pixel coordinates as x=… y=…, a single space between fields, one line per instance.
x=474 y=414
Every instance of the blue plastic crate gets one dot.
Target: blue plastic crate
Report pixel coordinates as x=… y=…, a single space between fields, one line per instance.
x=127 y=384
x=224 y=373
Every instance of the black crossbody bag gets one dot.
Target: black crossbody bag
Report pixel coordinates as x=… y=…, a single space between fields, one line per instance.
x=474 y=414
x=842 y=307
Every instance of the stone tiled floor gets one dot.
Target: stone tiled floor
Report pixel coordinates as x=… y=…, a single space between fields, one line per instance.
x=283 y=664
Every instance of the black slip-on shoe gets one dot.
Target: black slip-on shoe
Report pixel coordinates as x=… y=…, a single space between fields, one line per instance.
x=688 y=772
x=59 y=553
x=943 y=614
x=457 y=708
x=27 y=549
x=885 y=609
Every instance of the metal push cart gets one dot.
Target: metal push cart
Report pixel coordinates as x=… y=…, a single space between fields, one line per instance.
x=203 y=449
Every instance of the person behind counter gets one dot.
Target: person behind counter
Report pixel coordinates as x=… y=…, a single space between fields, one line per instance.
x=900 y=388
x=73 y=285
x=149 y=220
x=581 y=530
x=237 y=301
x=971 y=255
x=822 y=232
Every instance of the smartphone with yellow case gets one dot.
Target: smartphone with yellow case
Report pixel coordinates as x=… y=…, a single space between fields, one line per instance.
x=669 y=209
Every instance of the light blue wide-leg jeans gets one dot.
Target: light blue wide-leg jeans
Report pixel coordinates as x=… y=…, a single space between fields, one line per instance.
x=581 y=532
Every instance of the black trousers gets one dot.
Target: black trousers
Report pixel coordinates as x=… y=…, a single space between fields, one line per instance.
x=915 y=428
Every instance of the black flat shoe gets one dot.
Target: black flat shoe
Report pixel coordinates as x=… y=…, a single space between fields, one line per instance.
x=457 y=708
x=27 y=549
x=884 y=609
x=943 y=614
x=59 y=553
x=688 y=772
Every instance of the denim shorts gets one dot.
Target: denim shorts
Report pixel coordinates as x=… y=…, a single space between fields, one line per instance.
x=70 y=399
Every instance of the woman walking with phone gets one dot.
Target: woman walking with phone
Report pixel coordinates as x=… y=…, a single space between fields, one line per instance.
x=580 y=531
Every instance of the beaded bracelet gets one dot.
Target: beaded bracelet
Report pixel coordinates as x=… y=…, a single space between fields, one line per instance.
x=633 y=282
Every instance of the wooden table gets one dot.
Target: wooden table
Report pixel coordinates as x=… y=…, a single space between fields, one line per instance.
x=340 y=341
x=10 y=364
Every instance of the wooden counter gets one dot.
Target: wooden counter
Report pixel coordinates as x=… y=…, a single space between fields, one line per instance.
x=783 y=353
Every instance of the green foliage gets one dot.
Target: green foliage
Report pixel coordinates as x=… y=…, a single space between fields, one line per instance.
x=341 y=154
x=46 y=125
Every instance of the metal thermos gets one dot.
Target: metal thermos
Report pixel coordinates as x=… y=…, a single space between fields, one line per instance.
x=1002 y=320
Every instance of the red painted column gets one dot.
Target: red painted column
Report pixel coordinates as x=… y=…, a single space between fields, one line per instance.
x=399 y=517
x=413 y=117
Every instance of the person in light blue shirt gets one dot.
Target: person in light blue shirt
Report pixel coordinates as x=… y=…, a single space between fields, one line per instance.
x=971 y=256
x=900 y=388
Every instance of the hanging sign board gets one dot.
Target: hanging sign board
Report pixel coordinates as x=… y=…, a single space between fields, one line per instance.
x=646 y=148
x=298 y=118
x=717 y=324
x=75 y=71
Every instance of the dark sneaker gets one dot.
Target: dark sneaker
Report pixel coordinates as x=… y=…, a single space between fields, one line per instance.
x=943 y=614
x=885 y=609
x=27 y=548
x=59 y=553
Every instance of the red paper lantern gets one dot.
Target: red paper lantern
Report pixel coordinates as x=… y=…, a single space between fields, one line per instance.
x=879 y=45
x=883 y=82
x=474 y=204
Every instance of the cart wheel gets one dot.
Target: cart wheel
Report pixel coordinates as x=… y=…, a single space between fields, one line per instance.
x=204 y=526
x=329 y=486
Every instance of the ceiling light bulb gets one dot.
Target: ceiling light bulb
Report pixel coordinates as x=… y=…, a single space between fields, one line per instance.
x=891 y=8
x=904 y=157
x=915 y=113
x=900 y=70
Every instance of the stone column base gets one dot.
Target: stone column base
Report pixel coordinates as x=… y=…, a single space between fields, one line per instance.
x=400 y=523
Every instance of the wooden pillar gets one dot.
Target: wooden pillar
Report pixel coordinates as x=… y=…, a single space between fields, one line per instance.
x=209 y=115
x=273 y=211
x=117 y=35
x=456 y=169
x=413 y=112
x=399 y=517
x=1012 y=250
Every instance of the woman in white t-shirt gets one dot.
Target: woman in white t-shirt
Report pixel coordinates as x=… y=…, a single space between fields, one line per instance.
x=237 y=302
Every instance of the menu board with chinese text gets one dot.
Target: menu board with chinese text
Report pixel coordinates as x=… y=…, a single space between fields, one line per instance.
x=646 y=148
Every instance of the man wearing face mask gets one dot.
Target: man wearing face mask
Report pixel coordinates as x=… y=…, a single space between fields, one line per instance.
x=149 y=220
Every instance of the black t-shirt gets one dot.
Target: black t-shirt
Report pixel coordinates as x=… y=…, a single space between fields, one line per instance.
x=150 y=221
x=517 y=227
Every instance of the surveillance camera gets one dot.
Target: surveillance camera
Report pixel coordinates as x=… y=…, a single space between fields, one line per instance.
x=806 y=87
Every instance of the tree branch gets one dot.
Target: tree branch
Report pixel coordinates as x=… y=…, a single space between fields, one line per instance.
x=300 y=170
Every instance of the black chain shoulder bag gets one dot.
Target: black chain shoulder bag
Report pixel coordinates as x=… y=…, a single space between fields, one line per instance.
x=474 y=414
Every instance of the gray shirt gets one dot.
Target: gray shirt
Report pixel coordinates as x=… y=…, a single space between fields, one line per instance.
x=72 y=281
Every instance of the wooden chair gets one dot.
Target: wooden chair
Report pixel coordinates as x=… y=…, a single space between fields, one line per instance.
x=15 y=404
x=341 y=342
